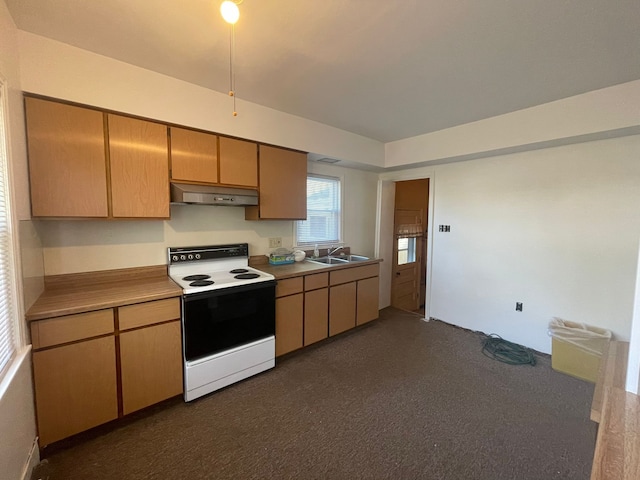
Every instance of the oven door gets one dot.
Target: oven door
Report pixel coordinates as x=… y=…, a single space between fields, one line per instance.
x=222 y=319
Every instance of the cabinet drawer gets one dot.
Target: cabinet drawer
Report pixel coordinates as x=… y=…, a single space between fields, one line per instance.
x=142 y=314
x=315 y=281
x=289 y=286
x=352 y=274
x=70 y=328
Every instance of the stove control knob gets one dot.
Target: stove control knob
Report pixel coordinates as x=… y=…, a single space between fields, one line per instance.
x=183 y=257
x=190 y=256
x=174 y=258
x=197 y=256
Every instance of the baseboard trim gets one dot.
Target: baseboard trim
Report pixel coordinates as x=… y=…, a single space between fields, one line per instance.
x=32 y=461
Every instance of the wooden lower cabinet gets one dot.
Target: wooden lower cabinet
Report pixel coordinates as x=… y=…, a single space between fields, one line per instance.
x=83 y=367
x=316 y=315
x=289 y=311
x=151 y=365
x=76 y=388
x=313 y=307
x=367 y=300
x=353 y=298
x=342 y=308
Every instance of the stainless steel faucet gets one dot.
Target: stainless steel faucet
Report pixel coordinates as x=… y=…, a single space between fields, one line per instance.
x=332 y=250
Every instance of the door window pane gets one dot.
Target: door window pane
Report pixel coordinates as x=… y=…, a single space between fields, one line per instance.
x=406 y=250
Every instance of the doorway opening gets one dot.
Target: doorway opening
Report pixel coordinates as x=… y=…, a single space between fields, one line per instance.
x=410 y=221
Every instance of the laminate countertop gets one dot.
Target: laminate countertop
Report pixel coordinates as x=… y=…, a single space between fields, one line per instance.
x=304 y=267
x=85 y=292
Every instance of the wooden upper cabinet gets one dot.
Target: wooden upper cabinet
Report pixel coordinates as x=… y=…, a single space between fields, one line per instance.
x=139 y=162
x=67 y=165
x=283 y=185
x=194 y=156
x=238 y=162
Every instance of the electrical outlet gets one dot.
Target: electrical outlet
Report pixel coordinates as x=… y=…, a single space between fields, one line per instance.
x=518 y=306
x=275 y=242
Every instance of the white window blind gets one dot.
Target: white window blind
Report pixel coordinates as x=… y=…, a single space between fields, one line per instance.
x=323 y=221
x=8 y=345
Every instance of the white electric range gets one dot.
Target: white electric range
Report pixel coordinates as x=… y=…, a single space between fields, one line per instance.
x=228 y=316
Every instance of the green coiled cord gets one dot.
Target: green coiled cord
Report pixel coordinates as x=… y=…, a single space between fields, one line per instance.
x=504 y=351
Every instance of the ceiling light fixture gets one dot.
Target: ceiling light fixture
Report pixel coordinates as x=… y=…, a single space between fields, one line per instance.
x=230 y=13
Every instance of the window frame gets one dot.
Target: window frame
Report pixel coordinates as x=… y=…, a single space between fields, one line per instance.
x=13 y=289
x=340 y=225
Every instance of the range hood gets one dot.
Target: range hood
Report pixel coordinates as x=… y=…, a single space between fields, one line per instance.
x=212 y=195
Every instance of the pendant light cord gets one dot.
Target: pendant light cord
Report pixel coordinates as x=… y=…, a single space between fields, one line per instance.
x=232 y=75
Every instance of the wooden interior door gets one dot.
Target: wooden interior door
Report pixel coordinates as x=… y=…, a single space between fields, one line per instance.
x=407 y=260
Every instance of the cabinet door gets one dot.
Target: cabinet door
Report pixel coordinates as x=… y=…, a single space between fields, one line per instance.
x=316 y=315
x=139 y=163
x=288 y=323
x=67 y=165
x=75 y=388
x=342 y=308
x=283 y=185
x=194 y=156
x=367 y=300
x=151 y=365
x=238 y=162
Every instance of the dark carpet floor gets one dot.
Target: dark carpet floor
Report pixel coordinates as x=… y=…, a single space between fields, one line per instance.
x=399 y=398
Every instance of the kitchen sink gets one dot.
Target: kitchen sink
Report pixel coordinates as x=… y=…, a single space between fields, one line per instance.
x=328 y=261
x=355 y=258
x=340 y=260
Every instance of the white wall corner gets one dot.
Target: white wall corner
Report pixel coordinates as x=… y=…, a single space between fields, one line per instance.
x=633 y=365
x=32 y=460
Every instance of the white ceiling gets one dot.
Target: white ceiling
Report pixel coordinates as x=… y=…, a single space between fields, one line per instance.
x=383 y=69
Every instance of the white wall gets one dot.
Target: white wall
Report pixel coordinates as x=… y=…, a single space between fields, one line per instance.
x=563 y=223
x=606 y=112
x=62 y=71
x=17 y=419
x=18 y=452
x=78 y=246
x=556 y=229
x=633 y=366
x=359 y=204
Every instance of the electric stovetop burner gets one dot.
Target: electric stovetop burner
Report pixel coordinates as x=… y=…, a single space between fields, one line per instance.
x=246 y=276
x=201 y=283
x=239 y=270
x=190 y=278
